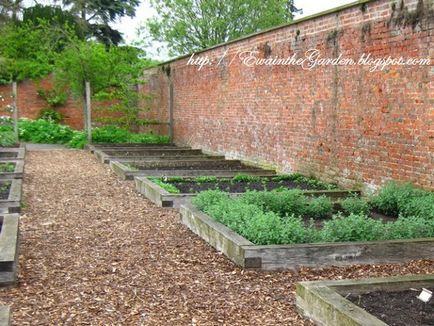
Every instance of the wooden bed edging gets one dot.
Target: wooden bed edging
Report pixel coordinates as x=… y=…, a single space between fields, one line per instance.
x=325 y=304
x=5 y=319
x=315 y=255
x=163 y=198
x=21 y=152
x=13 y=203
x=9 y=243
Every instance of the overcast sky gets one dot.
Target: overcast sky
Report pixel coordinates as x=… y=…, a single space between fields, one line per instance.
x=128 y=26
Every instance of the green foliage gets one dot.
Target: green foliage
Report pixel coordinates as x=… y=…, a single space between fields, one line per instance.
x=54 y=97
x=352 y=228
x=166 y=186
x=44 y=132
x=50 y=115
x=319 y=207
x=257 y=223
x=202 y=179
x=245 y=178
x=78 y=140
x=422 y=207
x=394 y=197
x=188 y=26
x=7 y=167
x=25 y=52
x=355 y=205
x=300 y=178
x=282 y=202
x=7 y=138
x=410 y=228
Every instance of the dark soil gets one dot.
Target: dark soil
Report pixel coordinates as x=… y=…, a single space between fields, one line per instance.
x=400 y=308
x=8 y=154
x=4 y=190
x=194 y=165
x=241 y=186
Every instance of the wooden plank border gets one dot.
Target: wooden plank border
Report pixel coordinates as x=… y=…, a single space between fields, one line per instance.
x=9 y=244
x=324 y=302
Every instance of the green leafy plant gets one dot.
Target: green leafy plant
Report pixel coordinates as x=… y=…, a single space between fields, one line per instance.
x=7 y=139
x=410 y=228
x=355 y=205
x=245 y=178
x=319 y=207
x=50 y=115
x=394 y=197
x=166 y=186
x=45 y=132
x=282 y=202
x=202 y=179
x=422 y=207
x=54 y=97
x=352 y=228
x=7 y=167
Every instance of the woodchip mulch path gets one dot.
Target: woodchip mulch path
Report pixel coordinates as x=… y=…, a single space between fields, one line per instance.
x=94 y=252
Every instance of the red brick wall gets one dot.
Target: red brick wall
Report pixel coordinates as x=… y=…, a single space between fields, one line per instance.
x=30 y=103
x=339 y=123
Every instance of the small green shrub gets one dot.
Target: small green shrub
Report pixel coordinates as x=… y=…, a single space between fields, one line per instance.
x=355 y=205
x=284 y=202
x=393 y=197
x=352 y=228
x=422 y=206
x=109 y=134
x=78 y=140
x=208 y=198
x=50 y=115
x=319 y=207
x=7 y=138
x=54 y=97
x=410 y=228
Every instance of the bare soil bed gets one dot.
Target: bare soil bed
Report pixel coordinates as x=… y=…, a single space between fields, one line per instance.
x=94 y=252
x=397 y=308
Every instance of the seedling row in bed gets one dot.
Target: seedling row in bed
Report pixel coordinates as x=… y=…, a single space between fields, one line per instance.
x=174 y=191
x=12 y=169
x=10 y=195
x=376 y=302
x=285 y=229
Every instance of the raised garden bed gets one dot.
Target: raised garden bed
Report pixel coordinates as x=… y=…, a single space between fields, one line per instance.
x=129 y=170
x=5 y=316
x=285 y=229
x=141 y=154
x=108 y=146
x=7 y=154
x=173 y=192
x=376 y=302
x=10 y=195
x=317 y=255
x=9 y=238
x=13 y=169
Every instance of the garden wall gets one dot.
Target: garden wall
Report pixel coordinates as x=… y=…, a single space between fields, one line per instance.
x=339 y=123
x=30 y=103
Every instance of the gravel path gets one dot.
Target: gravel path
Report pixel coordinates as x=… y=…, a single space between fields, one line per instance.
x=94 y=252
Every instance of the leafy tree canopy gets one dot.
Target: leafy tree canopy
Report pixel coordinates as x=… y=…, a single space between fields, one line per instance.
x=191 y=25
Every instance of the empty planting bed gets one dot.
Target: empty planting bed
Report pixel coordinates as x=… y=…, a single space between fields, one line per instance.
x=375 y=302
x=9 y=238
x=206 y=167
x=175 y=191
x=105 y=156
x=123 y=146
x=7 y=154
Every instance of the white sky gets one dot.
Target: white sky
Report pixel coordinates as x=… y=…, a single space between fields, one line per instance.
x=128 y=26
